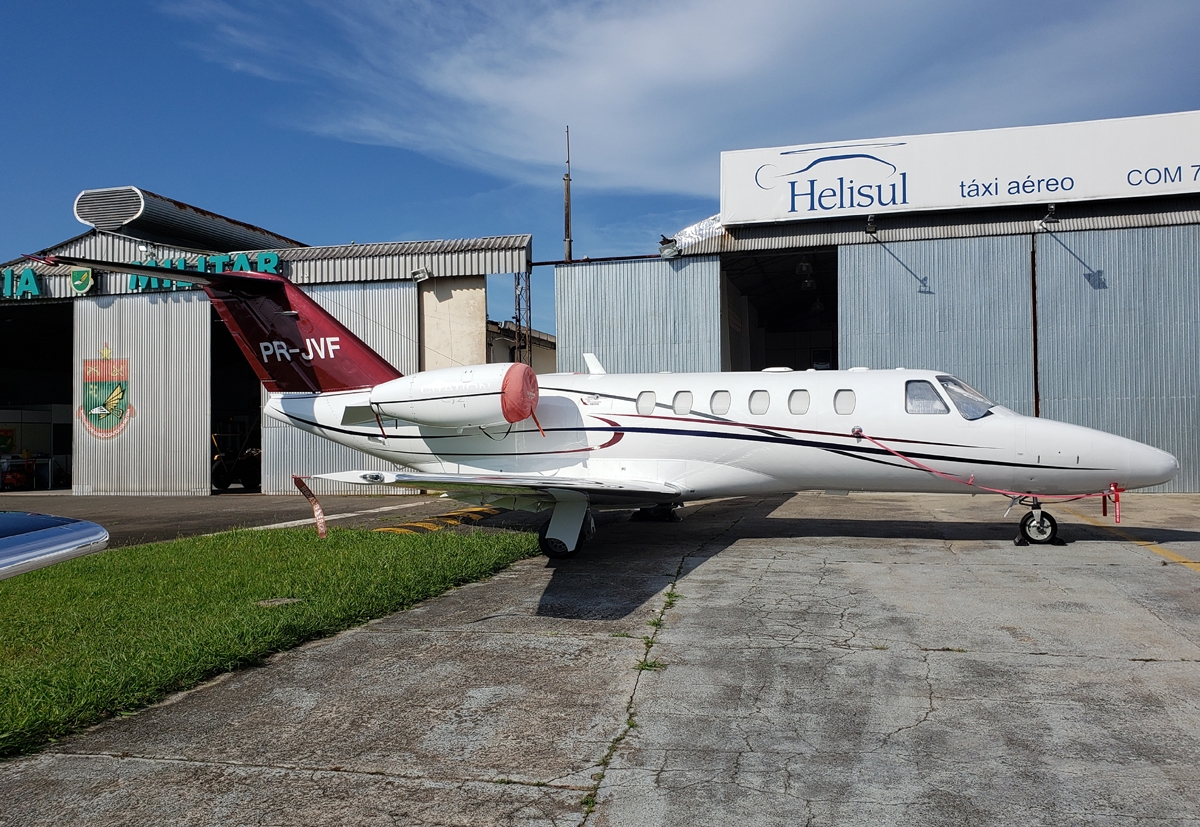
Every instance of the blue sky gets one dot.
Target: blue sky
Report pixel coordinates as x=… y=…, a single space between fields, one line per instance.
x=387 y=120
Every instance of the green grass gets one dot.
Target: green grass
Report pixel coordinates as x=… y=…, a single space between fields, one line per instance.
x=112 y=632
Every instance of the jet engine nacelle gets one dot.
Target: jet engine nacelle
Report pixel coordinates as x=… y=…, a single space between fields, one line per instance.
x=476 y=396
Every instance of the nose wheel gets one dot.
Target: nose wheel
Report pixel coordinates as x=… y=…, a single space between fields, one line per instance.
x=1038 y=527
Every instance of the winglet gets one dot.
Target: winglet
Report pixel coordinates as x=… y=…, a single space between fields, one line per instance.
x=593 y=365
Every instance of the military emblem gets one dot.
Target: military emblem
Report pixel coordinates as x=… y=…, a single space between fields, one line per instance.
x=81 y=280
x=105 y=411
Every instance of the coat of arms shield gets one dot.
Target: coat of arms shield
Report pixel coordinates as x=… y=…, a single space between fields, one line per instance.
x=106 y=409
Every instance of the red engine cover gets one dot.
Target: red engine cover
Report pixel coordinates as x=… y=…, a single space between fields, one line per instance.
x=519 y=393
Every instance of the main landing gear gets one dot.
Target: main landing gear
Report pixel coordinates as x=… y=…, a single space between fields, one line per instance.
x=1038 y=527
x=557 y=549
x=573 y=523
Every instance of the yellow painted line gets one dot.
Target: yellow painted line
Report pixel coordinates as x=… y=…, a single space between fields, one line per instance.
x=1165 y=553
x=442 y=521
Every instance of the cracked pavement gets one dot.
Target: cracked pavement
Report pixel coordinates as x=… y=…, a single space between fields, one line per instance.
x=822 y=660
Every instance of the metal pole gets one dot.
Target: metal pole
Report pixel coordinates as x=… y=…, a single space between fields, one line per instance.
x=522 y=318
x=567 y=203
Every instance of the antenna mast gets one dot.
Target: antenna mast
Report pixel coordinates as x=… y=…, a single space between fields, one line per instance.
x=567 y=203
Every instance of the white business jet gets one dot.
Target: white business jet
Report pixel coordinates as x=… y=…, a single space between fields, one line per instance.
x=496 y=433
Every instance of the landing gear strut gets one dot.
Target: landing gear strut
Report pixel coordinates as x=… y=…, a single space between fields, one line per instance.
x=556 y=549
x=1038 y=527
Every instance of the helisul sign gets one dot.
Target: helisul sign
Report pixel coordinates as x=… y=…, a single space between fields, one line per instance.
x=1122 y=158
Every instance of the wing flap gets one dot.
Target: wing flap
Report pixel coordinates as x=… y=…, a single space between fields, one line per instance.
x=597 y=490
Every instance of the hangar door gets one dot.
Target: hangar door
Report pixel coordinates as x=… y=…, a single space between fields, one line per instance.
x=960 y=305
x=141 y=394
x=1118 y=315
x=640 y=316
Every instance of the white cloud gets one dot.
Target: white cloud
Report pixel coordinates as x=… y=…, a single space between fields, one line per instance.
x=654 y=91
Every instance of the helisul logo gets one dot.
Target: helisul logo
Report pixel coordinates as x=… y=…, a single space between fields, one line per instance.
x=836 y=178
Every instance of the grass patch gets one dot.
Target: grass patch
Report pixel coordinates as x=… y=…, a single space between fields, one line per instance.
x=113 y=632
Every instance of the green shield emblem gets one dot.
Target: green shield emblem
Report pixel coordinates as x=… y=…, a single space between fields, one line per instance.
x=81 y=280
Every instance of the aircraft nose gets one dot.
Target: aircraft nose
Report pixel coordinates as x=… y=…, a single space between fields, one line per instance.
x=1147 y=465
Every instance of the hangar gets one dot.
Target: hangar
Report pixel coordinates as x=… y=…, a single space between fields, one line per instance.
x=188 y=413
x=1053 y=267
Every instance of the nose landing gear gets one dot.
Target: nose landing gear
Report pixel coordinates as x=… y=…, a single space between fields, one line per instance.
x=1038 y=527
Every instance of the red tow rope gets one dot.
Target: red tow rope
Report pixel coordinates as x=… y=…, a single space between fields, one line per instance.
x=1113 y=490
x=318 y=513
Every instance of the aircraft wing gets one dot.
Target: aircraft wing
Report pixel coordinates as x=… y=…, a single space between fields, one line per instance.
x=30 y=541
x=600 y=492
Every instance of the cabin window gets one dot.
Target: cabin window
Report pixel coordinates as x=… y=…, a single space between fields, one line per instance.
x=682 y=403
x=719 y=404
x=970 y=403
x=843 y=402
x=798 y=402
x=645 y=403
x=921 y=397
x=759 y=402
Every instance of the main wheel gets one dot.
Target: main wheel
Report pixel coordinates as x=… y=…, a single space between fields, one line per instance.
x=556 y=549
x=588 y=530
x=1039 y=532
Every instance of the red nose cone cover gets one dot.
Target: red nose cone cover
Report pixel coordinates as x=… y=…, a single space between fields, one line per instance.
x=518 y=393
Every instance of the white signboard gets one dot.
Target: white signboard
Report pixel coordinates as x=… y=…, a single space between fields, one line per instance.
x=1122 y=158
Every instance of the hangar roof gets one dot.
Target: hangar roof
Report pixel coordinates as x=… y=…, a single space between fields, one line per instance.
x=408 y=259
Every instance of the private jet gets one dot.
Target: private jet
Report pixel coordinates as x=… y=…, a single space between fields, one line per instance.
x=498 y=434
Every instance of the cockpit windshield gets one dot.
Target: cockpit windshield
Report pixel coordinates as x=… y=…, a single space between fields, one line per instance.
x=970 y=403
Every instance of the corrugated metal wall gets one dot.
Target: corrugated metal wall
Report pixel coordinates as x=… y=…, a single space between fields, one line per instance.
x=1118 y=317
x=382 y=314
x=974 y=321
x=640 y=316
x=165 y=447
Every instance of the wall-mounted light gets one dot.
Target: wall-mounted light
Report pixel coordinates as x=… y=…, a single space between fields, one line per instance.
x=1050 y=218
x=870 y=229
x=668 y=247
x=421 y=273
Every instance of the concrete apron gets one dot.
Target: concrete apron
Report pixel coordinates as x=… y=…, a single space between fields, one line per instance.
x=829 y=660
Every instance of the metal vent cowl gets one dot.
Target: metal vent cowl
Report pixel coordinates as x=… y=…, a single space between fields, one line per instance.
x=109 y=209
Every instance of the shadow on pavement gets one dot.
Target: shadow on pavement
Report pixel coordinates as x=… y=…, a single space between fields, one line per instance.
x=627 y=564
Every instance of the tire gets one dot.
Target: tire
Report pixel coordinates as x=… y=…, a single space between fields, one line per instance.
x=557 y=549
x=220 y=476
x=552 y=548
x=1039 y=534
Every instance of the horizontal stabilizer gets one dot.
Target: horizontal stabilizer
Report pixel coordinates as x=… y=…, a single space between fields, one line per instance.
x=291 y=342
x=168 y=273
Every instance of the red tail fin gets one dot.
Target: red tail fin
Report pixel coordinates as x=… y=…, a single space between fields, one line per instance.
x=292 y=343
